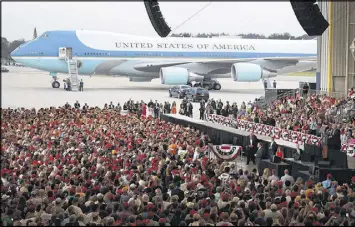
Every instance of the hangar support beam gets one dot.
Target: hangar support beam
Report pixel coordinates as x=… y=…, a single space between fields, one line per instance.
x=335 y=68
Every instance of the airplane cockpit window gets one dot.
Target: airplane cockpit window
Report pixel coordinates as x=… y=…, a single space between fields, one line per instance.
x=44 y=36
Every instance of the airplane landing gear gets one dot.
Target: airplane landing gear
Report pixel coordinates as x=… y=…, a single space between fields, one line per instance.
x=55 y=83
x=217 y=86
x=209 y=85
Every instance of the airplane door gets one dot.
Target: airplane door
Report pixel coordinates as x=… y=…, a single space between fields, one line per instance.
x=69 y=52
x=62 y=53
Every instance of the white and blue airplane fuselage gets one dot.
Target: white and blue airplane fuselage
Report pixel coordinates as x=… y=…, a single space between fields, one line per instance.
x=174 y=60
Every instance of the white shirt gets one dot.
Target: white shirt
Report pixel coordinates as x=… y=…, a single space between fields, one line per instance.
x=196 y=155
x=287 y=177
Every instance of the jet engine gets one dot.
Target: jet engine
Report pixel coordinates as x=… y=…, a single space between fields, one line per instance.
x=247 y=72
x=177 y=76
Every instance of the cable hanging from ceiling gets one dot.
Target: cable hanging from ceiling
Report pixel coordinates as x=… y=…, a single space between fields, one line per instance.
x=188 y=19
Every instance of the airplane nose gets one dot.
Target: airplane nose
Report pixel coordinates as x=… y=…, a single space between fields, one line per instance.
x=20 y=51
x=14 y=53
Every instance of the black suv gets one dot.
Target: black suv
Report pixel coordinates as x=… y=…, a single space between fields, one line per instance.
x=197 y=94
x=179 y=91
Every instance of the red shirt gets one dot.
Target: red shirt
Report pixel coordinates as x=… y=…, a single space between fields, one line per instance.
x=280 y=154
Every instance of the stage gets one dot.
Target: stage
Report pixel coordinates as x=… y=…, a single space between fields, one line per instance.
x=310 y=156
x=221 y=134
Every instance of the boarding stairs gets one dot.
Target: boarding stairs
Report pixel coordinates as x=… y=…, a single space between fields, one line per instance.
x=73 y=73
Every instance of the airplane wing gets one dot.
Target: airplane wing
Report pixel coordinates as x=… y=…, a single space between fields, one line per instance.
x=223 y=66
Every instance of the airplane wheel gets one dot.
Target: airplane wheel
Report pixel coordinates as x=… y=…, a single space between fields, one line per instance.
x=55 y=84
x=207 y=86
x=189 y=84
x=179 y=96
x=217 y=86
x=170 y=95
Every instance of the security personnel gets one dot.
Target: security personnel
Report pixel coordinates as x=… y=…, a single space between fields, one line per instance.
x=202 y=111
x=67 y=106
x=235 y=110
x=213 y=104
x=68 y=85
x=169 y=108
x=118 y=107
x=305 y=89
x=85 y=107
x=81 y=85
x=265 y=84
x=189 y=109
x=219 y=107
x=165 y=107
x=274 y=83
x=185 y=102
x=156 y=109
x=150 y=104
x=228 y=108
x=77 y=105
x=111 y=106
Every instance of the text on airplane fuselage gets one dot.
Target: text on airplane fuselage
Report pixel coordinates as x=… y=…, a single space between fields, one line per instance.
x=124 y=45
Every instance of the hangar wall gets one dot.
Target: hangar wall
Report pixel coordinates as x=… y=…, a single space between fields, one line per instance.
x=334 y=54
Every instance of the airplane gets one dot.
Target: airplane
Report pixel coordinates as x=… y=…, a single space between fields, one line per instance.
x=176 y=61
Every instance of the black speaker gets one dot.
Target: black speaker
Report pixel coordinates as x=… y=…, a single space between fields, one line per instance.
x=275 y=159
x=310 y=17
x=312 y=169
x=156 y=18
x=324 y=164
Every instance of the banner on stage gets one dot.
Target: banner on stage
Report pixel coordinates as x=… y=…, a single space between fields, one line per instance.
x=225 y=152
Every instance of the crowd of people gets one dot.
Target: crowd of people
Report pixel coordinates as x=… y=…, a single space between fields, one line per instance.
x=309 y=113
x=85 y=166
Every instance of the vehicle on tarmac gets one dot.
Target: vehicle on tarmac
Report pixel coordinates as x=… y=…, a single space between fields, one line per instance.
x=19 y=64
x=4 y=70
x=197 y=94
x=179 y=91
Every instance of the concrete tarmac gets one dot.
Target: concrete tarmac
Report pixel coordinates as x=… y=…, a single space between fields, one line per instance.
x=26 y=87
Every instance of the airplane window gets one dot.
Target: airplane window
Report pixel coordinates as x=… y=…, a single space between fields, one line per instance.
x=44 y=36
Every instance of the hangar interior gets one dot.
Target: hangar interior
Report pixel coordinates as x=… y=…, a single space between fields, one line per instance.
x=335 y=63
